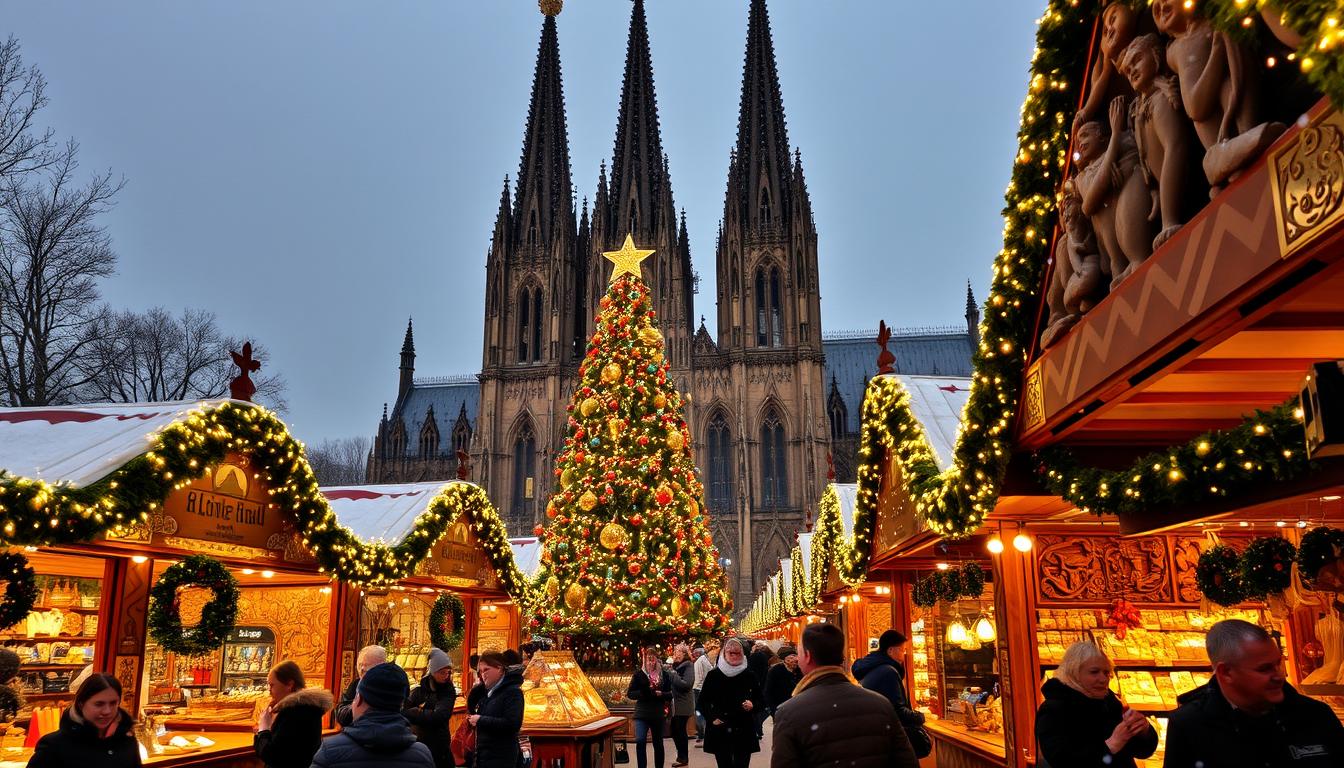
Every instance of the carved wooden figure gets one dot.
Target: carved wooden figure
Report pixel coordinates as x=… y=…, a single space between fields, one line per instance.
x=242 y=388
x=1219 y=89
x=1118 y=25
x=1160 y=132
x=1075 y=286
x=886 y=362
x=1114 y=196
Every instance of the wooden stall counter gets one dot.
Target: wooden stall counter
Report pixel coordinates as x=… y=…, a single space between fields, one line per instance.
x=956 y=746
x=583 y=746
x=230 y=749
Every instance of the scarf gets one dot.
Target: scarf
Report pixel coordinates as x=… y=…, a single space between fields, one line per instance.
x=812 y=677
x=729 y=669
x=655 y=676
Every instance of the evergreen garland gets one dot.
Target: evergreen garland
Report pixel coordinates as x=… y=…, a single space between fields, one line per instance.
x=1320 y=546
x=217 y=617
x=1218 y=576
x=1267 y=565
x=972 y=580
x=949 y=586
x=924 y=593
x=20 y=589
x=447 y=607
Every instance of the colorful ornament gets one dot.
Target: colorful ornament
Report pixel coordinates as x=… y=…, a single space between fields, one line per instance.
x=576 y=596
x=680 y=606
x=552 y=588
x=675 y=441
x=612 y=536
x=611 y=373
x=664 y=495
x=660 y=401
x=588 y=406
x=650 y=335
x=608 y=612
x=587 y=501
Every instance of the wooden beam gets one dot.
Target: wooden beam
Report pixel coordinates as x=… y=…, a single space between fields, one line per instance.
x=1248 y=365
x=1251 y=399
x=1301 y=321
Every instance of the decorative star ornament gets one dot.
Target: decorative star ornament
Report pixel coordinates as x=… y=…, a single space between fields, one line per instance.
x=627 y=259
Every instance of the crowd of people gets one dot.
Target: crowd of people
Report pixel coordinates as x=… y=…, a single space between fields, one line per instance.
x=823 y=712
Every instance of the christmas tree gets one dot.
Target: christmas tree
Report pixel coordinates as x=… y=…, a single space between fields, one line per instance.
x=626 y=549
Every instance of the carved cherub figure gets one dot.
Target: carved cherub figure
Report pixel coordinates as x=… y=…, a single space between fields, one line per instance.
x=1118 y=25
x=1219 y=90
x=1160 y=132
x=1075 y=284
x=1113 y=195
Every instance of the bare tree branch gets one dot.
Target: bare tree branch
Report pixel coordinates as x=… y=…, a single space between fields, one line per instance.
x=340 y=462
x=22 y=95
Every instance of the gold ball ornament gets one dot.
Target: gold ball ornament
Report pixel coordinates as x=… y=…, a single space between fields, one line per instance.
x=650 y=335
x=552 y=588
x=587 y=501
x=614 y=426
x=660 y=401
x=680 y=606
x=576 y=596
x=568 y=477
x=611 y=373
x=612 y=536
x=588 y=406
x=694 y=509
x=676 y=441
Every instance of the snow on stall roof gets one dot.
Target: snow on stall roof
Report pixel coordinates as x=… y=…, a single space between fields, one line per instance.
x=527 y=554
x=937 y=401
x=805 y=547
x=82 y=444
x=848 y=493
x=786 y=572
x=381 y=512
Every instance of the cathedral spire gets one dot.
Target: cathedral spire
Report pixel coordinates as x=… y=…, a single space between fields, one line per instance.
x=407 y=368
x=639 y=184
x=972 y=317
x=762 y=137
x=543 y=195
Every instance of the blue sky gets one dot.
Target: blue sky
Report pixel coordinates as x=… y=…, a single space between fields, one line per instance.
x=316 y=171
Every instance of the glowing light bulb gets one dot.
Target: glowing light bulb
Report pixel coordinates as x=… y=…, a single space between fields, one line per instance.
x=995 y=546
x=267 y=574
x=1022 y=542
x=984 y=629
x=943 y=566
x=956 y=632
x=138 y=559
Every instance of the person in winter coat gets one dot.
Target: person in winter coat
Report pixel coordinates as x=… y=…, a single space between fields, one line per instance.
x=729 y=702
x=430 y=707
x=1247 y=714
x=378 y=736
x=830 y=720
x=369 y=656
x=683 y=705
x=708 y=657
x=651 y=690
x=781 y=679
x=95 y=731
x=289 y=730
x=1082 y=723
x=882 y=672
x=499 y=715
x=759 y=661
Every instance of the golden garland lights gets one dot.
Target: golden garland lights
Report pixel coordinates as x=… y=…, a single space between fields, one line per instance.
x=37 y=513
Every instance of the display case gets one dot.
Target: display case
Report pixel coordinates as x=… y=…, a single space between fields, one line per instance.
x=57 y=638
x=247 y=657
x=557 y=693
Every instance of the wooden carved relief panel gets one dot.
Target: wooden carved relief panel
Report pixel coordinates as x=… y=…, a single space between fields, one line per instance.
x=1099 y=569
x=1185 y=556
x=299 y=617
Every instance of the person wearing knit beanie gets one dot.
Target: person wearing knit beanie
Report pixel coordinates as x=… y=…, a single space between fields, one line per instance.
x=384 y=687
x=379 y=737
x=430 y=707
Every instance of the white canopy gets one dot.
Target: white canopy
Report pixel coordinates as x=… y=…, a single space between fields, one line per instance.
x=382 y=512
x=527 y=554
x=938 y=402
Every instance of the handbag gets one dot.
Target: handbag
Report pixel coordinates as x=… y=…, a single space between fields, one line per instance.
x=919 y=740
x=619 y=754
x=464 y=742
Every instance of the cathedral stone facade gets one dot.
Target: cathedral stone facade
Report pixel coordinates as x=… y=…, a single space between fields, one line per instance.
x=772 y=399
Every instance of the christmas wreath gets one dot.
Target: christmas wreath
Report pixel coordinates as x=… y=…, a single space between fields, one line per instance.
x=950 y=585
x=924 y=594
x=217 y=617
x=1218 y=576
x=447 y=622
x=972 y=580
x=1267 y=565
x=1320 y=547
x=20 y=589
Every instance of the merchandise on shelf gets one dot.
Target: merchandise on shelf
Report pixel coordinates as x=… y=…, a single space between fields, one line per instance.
x=557 y=693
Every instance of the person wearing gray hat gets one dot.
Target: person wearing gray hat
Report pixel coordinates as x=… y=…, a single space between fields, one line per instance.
x=430 y=707
x=379 y=737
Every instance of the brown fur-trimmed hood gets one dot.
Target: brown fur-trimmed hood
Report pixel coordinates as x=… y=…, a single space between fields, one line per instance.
x=317 y=698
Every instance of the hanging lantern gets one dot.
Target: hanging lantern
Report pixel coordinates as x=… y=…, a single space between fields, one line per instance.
x=984 y=629
x=956 y=632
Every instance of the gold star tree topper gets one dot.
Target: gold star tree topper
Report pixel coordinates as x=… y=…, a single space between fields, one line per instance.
x=627 y=259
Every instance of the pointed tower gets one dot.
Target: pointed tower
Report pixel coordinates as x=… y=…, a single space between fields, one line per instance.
x=407 y=368
x=768 y=437
x=638 y=201
x=972 y=318
x=535 y=322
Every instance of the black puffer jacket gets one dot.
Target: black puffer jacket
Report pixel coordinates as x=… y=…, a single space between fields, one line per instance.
x=1072 y=729
x=651 y=704
x=882 y=674
x=296 y=732
x=501 y=714
x=721 y=699
x=76 y=745
x=379 y=739
x=429 y=709
x=1299 y=732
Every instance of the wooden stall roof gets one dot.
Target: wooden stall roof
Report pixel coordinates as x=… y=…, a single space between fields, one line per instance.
x=79 y=445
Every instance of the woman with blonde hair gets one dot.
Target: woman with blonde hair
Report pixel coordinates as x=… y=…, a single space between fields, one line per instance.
x=1082 y=723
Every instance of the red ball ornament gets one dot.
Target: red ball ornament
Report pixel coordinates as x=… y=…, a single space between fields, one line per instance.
x=654 y=601
x=636 y=520
x=538 y=530
x=633 y=568
x=664 y=496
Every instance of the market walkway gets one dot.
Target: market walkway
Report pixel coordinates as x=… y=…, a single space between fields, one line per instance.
x=700 y=759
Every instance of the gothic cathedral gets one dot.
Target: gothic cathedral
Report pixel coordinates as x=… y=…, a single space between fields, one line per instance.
x=771 y=401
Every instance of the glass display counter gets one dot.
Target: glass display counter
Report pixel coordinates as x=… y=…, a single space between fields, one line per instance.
x=557 y=693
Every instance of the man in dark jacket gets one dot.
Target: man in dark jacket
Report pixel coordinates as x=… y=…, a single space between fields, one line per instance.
x=781 y=679
x=379 y=736
x=830 y=720
x=758 y=664
x=430 y=707
x=882 y=671
x=1248 y=715
x=369 y=656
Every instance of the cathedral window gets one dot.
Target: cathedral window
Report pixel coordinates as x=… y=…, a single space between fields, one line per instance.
x=398 y=440
x=429 y=440
x=524 y=479
x=776 y=302
x=767 y=212
x=769 y=298
x=532 y=229
x=720 y=444
x=536 y=325
x=462 y=435
x=839 y=416
x=775 y=492
x=524 y=327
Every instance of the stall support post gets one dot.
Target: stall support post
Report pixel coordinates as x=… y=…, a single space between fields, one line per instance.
x=343 y=636
x=900 y=581
x=1014 y=596
x=120 y=650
